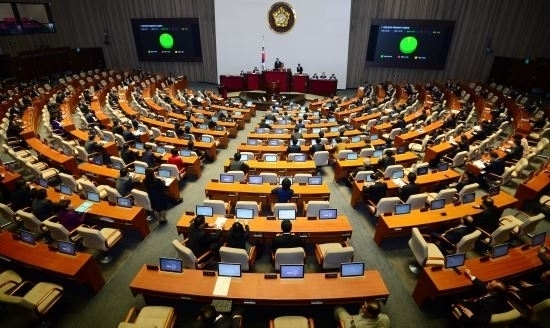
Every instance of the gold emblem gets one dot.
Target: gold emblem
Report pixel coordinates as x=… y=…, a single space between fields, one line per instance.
x=281 y=17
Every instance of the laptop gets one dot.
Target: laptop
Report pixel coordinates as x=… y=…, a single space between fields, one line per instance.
x=455 y=260
x=352 y=156
x=185 y=152
x=206 y=139
x=355 y=139
x=493 y=191
x=98 y=160
x=282 y=177
x=437 y=204
x=443 y=166
x=255 y=179
x=377 y=153
x=124 y=202
x=161 y=150
x=500 y=250
x=204 y=210
x=286 y=214
x=27 y=237
x=402 y=209
x=165 y=173
x=171 y=265
x=227 y=178
x=328 y=213
x=43 y=183
x=116 y=165
x=244 y=213
x=399 y=174
x=468 y=198
x=315 y=130
x=92 y=196
x=139 y=169
x=352 y=269
x=334 y=129
x=252 y=142
x=292 y=271
x=300 y=158
x=232 y=270
x=270 y=158
x=373 y=137
x=65 y=190
x=273 y=142
x=422 y=170
x=139 y=145
x=66 y=247
x=537 y=239
x=315 y=180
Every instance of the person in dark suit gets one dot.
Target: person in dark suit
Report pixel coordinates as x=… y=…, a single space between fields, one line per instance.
x=128 y=134
x=299 y=69
x=21 y=196
x=263 y=124
x=286 y=239
x=148 y=156
x=488 y=220
x=515 y=152
x=200 y=241
x=535 y=293
x=296 y=134
x=387 y=160
x=300 y=124
x=293 y=147
x=125 y=183
x=377 y=190
x=318 y=146
x=495 y=166
x=450 y=237
x=410 y=188
x=284 y=192
x=237 y=236
x=238 y=165
x=278 y=64
x=41 y=206
x=210 y=318
x=127 y=155
x=467 y=178
x=92 y=146
x=117 y=128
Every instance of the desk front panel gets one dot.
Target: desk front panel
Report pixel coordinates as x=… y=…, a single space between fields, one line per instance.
x=285 y=167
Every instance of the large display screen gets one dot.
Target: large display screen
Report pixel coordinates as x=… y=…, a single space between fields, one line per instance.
x=167 y=39
x=25 y=18
x=409 y=43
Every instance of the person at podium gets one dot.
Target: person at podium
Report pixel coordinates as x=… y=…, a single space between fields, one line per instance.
x=299 y=69
x=255 y=70
x=278 y=64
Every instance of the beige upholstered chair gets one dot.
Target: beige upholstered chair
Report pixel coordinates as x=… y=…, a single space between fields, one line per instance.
x=499 y=236
x=541 y=312
x=149 y=317
x=292 y=255
x=426 y=254
x=88 y=185
x=331 y=255
x=504 y=319
x=190 y=261
x=31 y=222
x=102 y=240
x=523 y=227
x=8 y=281
x=385 y=205
x=239 y=255
x=238 y=176
x=58 y=232
x=447 y=194
x=417 y=201
x=291 y=322
x=283 y=206
x=250 y=205
x=269 y=177
x=38 y=299
x=321 y=158
x=174 y=172
x=219 y=206
x=7 y=214
x=312 y=207
x=70 y=181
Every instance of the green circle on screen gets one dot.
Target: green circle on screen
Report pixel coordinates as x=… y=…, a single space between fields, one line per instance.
x=166 y=41
x=408 y=44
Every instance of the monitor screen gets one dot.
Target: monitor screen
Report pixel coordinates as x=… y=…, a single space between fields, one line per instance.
x=334 y=129
x=123 y=202
x=468 y=198
x=203 y=127
x=315 y=130
x=66 y=247
x=139 y=145
x=139 y=169
x=352 y=269
x=43 y=183
x=171 y=265
x=282 y=177
x=355 y=139
x=278 y=131
x=402 y=43
x=255 y=179
x=352 y=156
x=98 y=160
x=273 y=142
x=315 y=180
x=167 y=39
x=204 y=210
x=442 y=166
x=288 y=214
x=116 y=165
x=165 y=173
x=27 y=237
x=227 y=178
x=229 y=269
x=500 y=250
x=65 y=190
x=206 y=139
x=170 y=134
x=185 y=152
x=373 y=137
x=300 y=158
x=493 y=191
x=332 y=119
x=399 y=174
x=437 y=204
x=292 y=271
x=244 y=213
x=401 y=150
x=252 y=142
x=260 y=130
x=422 y=170
x=378 y=153
x=455 y=260
x=270 y=158
x=245 y=157
x=402 y=209
x=106 y=138
x=538 y=239
x=92 y=196
x=161 y=150
x=328 y=213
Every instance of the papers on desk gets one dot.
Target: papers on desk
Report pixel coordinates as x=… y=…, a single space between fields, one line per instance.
x=84 y=207
x=167 y=181
x=399 y=182
x=220 y=222
x=479 y=164
x=222 y=286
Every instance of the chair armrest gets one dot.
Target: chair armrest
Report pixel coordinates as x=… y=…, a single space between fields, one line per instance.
x=204 y=259
x=442 y=239
x=112 y=233
x=52 y=218
x=131 y=315
x=319 y=255
x=20 y=287
x=484 y=234
x=494 y=176
x=252 y=253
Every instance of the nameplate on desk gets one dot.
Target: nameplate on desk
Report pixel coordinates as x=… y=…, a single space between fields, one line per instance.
x=187 y=298
x=251 y=302
x=484 y=258
x=437 y=268
x=331 y=275
x=270 y=276
x=258 y=235
x=208 y=273
x=304 y=235
x=312 y=218
x=270 y=217
x=152 y=267
x=316 y=302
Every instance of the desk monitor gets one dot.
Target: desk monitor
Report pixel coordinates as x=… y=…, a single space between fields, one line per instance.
x=204 y=210
x=92 y=196
x=139 y=145
x=270 y=158
x=286 y=214
x=378 y=153
x=142 y=129
x=442 y=166
x=255 y=179
x=373 y=137
x=500 y=250
x=355 y=139
x=328 y=213
x=66 y=247
x=139 y=169
x=493 y=191
x=315 y=130
x=332 y=119
x=260 y=130
x=165 y=173
x=455 y=260
x=244 y=213
x=116 y=165
x=161 y=118
x=273 y=142
x=537 y=239
x=65 y=190
x=315 y=180
x=171 y=265
x=170 y=134
x=227 y=178
x=124 y=202
x=292 y=271
x=300 y=158
x=27 y=237
x=334 y=128
x=437 y=204
x=468 y=198
x=352 y=156
x=278 y=131
x=214 y=119
x=244 y=157
x=422 y=170
x=229 y=269
x=161 y=149
x=98 y=160
x=203 y=126
x=352 y=269
x=401 y=150
x=402 y=209
x=399 y=174
x=252 y=142
x=43 y=183
x=188 y=123
x=185 y=152
x=282 y=177
x=107 y=138
x=206 y=139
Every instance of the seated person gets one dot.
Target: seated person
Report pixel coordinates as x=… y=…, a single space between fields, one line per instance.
x=284 y=192
x=296 y=134
x=532 y=294
x=127 y=155
x=210 y=318
x=68 y=217
x=22 y=195
x=293 y=147
x=238 y=165
x=387 y=160
x=410 y=188
x=376 y=190
x=488 y=219
x=149 y=157
x=237 y=236
x=495 y=166
x=41 y=206
x=286 y=239
x=369 y=316
x=125 y=183
x=317 y=146
x=176 y=159
x=92 y=146
x=128 y=134
x=467 y=178
x=452 y=236
x=515 y=152
x=199 y=241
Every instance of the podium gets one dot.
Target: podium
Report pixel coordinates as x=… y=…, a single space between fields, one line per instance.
x=300 y=83
x=323 y=87
x=273 y=88
x=283 y=77
x=232 y=82
x=253 y=81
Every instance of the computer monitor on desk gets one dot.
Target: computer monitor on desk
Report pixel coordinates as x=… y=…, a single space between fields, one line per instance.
x=43 y=183
x=399 y=174
x=352 y=269
x=65 y=190
x=493 y=191
x=500 y=250
x=286 y=214
x=185 y=152
x=244 y=213
x=378 y=153
x=139 y=169
x=92 y=196
x=292 y=271
x=255 y=179
x=468 y=198
x=165 y=173
x=352 y=156
x=455 y=260
x=227 y=178
x=252 y=142
x=355 y=139
x=204 y=210
x=270 y=158
x=27 y=237
x=66 y=247
x=315 y=180
x=437 y=204
x=443 y=166
x=171 y=265
x=124 y=202
x=98 y=160
x=402 y=209
x=232 y=270
x=422 y=170
x=328 y=213
x=139 y=145
x=300 y=158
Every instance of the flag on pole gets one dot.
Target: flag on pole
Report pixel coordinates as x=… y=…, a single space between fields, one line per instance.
x=263 y=55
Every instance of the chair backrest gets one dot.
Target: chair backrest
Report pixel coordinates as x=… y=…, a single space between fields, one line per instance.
x=417 y=201
x=392 y=168
x=541 y=311
x=529 y=225
x=386 y=205
x=313 y=207
x=112 y=194
x=82 y=153
x=472 y=187
x=87 y=185
x=141 y=199
x=218 y=206
x=301 y=178
x=269 y=177
x=502 y=234
x=189 y=259
x=250 y=205
x=30 y=222
x=363 y=175
x=467 y=242
x=141 y=164
x=235 y=255
x=447 y=194
x=284 y=206
x=333 y=257
x=321 y=158
x=7 y=213
x=418 y=246
x=343 y=154
x=366 y=152
x=460 y=158
x=292 y=255
x=237 y=175
x=174 y=172
x=57 y=231
x=120 y=161
x=92 y=238
x=69 y=180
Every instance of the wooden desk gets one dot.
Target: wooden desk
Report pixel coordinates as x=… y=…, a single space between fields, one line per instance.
x=62 y=162
x=444 y=147
x=253 y=289
x=209 y=147
x=82 y=268
x=470 y=166
x=357 y=121
x=427 y=183
x=406 y=138
x=9 y=178
x=343 y=167
x=133 y=218
x=319 y=103
x=531 y=189
x=259 y=150
x=432 y=284
x=263 y=230
x=193 y=164
x=282 y=167
x=109 y=147
x=400 y=225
